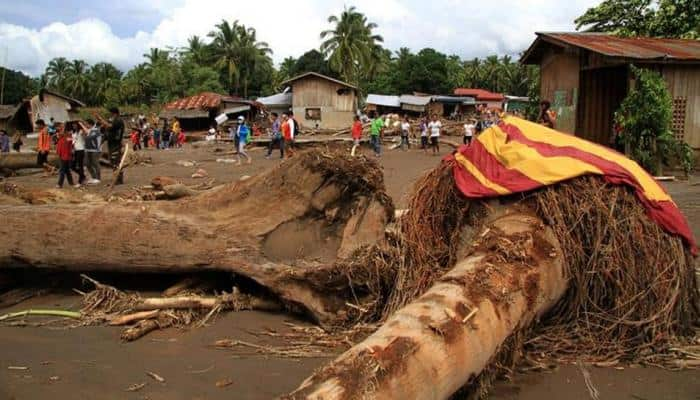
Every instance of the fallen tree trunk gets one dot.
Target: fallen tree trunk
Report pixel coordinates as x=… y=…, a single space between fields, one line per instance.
x=436 y=344
x=228 y=228
x=14 y=161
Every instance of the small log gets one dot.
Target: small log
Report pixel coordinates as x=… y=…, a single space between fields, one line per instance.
x=178 y=191
x=143 y=328
x=181 y=286
x=129 y=318
x=121 y=166
x=182 y=302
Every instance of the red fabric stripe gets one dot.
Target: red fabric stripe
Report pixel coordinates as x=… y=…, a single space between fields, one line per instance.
x=467 y=183
x=665 y=213
x=491 y=168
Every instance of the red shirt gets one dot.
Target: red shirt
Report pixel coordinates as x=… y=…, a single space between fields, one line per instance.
x=64 y=148
x=357 y=130
x=286 y=131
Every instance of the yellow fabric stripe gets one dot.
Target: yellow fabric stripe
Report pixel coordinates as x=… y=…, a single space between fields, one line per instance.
x=536 y=132
x=472 y=169
x=526 y=160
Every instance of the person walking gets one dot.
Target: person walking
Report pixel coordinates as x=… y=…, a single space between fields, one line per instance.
x=115 y=137
x=288 y=134
x=376 y=129
x=78 y=163
x=64 y=149
x=405 y=132
x=434 y=127
x=356 y=133
x=93 y=145
x=275 y=136
x=243 y=134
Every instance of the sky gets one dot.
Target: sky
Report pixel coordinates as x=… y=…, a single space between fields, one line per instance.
x=32 y=32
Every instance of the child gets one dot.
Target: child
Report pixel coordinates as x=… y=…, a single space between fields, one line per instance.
x=43 y=145
x=356 y=134
x=64 y=149
x=135 y=140
x=181 y=138
x=469 y=129
x=424 y=135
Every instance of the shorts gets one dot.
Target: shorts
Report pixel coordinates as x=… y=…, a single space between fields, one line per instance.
x=434 y=140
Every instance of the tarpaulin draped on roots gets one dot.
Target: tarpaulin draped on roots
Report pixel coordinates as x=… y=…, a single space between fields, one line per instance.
x=632 y=289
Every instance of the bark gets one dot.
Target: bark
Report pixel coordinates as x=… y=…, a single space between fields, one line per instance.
x=222 y=229
x=14 y=161
x=433 y=346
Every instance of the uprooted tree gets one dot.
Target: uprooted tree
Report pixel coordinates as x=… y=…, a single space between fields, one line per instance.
x=577 y=268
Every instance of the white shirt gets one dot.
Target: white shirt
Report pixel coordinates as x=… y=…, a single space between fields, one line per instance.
x=78 y=141
x=292 y=125
x=469 y=130
x=405 y=128
x=434 y=127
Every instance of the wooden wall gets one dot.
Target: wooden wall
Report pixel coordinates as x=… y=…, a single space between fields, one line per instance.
x=601 y=92
x=337 y=110
x=684 y=84
x=560 y=85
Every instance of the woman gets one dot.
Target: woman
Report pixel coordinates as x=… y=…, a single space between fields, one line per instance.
x=78 y=163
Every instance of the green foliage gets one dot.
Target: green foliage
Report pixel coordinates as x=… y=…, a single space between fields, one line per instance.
x=656 y=18
x=17 y=86
x=351 y=47
x=644 y=120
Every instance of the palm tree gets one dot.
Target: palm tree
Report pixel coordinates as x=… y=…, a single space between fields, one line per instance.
x=56 y=73
x=77 y=80
x=253 y=54
x=156 y=56
x=225 y=49
x=287 y=68
x=492 y=73
x=350 y=45
x=197 y=50
x=103 y=77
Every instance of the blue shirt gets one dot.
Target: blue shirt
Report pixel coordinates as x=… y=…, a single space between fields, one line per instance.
x=243 y=132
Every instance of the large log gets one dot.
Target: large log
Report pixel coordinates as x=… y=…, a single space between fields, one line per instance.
x=433 y=346
x=14 y=161
x=238 y=227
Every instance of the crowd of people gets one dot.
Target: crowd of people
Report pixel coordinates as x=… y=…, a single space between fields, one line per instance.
x=156 y=135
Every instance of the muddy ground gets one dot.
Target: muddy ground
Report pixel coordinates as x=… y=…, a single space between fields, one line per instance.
x=92 y=363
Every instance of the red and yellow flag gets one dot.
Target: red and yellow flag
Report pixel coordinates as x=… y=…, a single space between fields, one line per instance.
x=518 y=156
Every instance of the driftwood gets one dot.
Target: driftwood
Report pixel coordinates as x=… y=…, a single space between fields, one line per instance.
x=238 y=227
x=122 y=164
x=143 y=328
x=15 y=161
x=434 y=345
x=134 y=317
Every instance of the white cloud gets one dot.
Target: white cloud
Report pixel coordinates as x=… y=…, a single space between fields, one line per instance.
x=465 y=27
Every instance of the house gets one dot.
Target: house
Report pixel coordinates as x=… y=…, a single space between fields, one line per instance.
x=319 y=101
x=516 y=104
x=452 y=105
x=482 y=97
x=199 y=111
x=383 y=104
x=49 y=104
x=15 y=118
x=279 y=103
x=587 y=75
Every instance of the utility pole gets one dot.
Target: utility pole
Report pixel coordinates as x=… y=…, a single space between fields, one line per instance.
x=2 y=83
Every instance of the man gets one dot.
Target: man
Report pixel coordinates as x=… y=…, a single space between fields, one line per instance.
x=114 y=136
x=376 y=129
x=434 y=127
x=405 y=133
x=4 y=142
x=356 y=134
x=93 y=144
x=275 y=136
x=469 y=129
x=287 y=133
x=64 y=150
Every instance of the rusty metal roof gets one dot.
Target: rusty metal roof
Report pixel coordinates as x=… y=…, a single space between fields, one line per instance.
x=639 y=48
x=479 y=94
x=202 y=101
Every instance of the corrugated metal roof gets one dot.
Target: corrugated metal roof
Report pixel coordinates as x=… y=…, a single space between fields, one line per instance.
x=279 y=99
x=641 y=48
x=316 y=74
x=466 y=100
x=383 y=100
x=414 y=100
x=479 y=94
x=236 y=109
